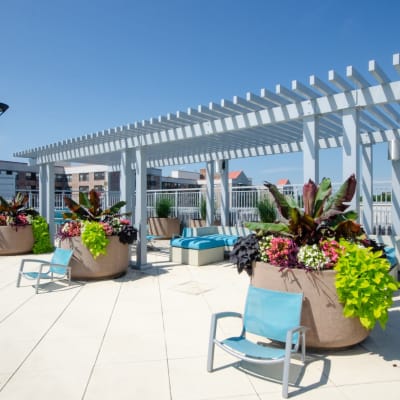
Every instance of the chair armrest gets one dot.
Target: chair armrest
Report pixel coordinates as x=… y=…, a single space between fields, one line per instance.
x=224 y=314
x=289 y=343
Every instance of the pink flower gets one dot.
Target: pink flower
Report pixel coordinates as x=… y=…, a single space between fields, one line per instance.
x=108 y=229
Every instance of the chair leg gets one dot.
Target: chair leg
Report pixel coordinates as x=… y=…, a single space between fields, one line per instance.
x=211 y=344
x=37 y=284
x=286 y=368
x=21 y=267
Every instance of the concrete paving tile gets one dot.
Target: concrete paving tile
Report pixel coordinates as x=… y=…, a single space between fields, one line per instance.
x=268 y=378
x=13 y=353
x=186 y=334
x=52 y=353
x=125 y=322
x=191 y=381
x=355 y=367
x=141 y=380
x=381 y=390
x=50 y=384
x=135 y=347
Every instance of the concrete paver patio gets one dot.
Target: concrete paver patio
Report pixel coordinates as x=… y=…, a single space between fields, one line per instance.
x=145 y=336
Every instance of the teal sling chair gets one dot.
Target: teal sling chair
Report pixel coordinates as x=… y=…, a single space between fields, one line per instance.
x=57 y=268
x=271 y=314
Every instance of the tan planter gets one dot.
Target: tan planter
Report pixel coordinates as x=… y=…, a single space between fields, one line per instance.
x=16 y=240
x=85 y=267
x=322 y=312
x=164 y=227
x=197 y=223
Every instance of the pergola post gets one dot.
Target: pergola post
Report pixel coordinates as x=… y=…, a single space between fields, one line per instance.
x=367 y=188
x=351 y=151
x=310 y=149
x=141 y=207
x=210 y=192
x=224 y=178
x=127 y=179
x=46 y=195
x=394 y=156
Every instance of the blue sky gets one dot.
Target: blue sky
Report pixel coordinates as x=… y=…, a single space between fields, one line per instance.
x=74 y=67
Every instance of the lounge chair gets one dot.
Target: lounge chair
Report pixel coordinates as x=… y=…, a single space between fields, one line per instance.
x=271 y=314
x=57 y=268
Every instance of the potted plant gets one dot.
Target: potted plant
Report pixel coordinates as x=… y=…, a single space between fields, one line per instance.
x=266 y=210
x=163 y=225
x=199 y=222
x=100 y=238
x=323 y=252
x=16 y=235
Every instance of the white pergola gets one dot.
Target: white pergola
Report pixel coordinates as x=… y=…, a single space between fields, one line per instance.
x=351 y=111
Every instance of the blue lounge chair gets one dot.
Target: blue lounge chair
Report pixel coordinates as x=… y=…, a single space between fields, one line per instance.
x=57 y=268
x=270 y=314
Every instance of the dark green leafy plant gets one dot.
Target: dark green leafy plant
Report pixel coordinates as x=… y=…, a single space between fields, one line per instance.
x=203 y=208
x=42 y=243
x=163 y=207
x=245 y=251
x=267 y=210
x=364 y=285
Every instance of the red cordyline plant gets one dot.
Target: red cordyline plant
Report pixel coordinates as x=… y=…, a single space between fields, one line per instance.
x=324 y=215
x=15 y=212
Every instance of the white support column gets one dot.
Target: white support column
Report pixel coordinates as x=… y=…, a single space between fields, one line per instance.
x=225 y=206
x=394 y=155
x=210 y=192
x=311 y=149
x=46 y=195
x=42 y=190
x=141 y=207
x=351 y=152
x=127 y=179
x=367 y=188
x=126 y=182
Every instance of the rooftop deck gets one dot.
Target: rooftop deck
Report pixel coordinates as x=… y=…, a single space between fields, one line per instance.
x=145 y=336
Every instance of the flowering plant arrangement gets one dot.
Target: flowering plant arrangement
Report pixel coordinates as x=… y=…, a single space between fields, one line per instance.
x=323 y=236
x=15 y=212
x=88 y=220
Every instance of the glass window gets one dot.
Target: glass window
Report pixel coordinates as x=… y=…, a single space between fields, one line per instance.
x=83 y=177
x=99 y=188
x=98 y=176
x=83 y=188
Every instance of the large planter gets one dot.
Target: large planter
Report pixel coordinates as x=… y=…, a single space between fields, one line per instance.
x=164 y=227
x=85 y=267
x=322 y=312
x=16 y=240
x=197 y=223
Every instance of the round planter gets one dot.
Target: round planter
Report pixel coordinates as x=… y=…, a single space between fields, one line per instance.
x=16 y=240
x=322 y=313
x=164 y=227
x=108 y=266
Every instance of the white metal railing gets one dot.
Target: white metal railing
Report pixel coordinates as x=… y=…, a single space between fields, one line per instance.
x=243 y=202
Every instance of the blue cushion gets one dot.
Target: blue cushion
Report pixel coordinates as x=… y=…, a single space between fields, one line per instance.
x=229 y=240
x=197 y=243
x=391 y=255
x=201 y=243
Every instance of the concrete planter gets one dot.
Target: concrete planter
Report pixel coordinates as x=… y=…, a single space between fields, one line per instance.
x=16 y=240
x=322 y=312
x=164 y=227
x=85 y=267
x=197 y=223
